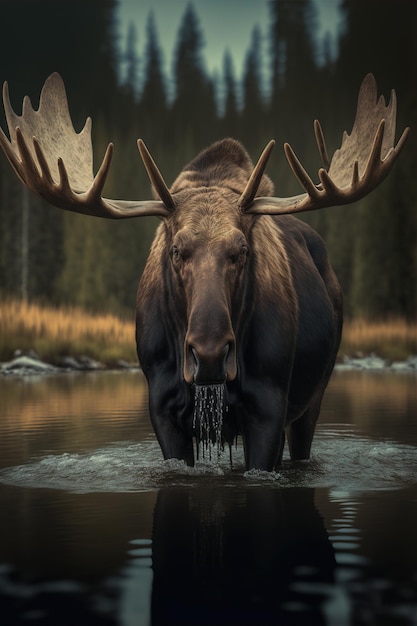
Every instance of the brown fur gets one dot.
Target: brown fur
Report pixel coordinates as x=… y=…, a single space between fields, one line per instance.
x=207 y=208
x=246 y=300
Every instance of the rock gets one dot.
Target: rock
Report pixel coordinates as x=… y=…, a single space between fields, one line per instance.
x=124 y=365
x=376 y=363
x=401 y=366
x=27 y=365
x=409 y=364
x=412 y=362
x=371 y=362
x=90 y=364
x=70 y=363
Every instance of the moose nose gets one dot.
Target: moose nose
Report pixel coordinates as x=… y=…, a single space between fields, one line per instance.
x=205 y=365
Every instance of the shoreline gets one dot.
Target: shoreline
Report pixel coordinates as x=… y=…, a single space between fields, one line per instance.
x=30 y=364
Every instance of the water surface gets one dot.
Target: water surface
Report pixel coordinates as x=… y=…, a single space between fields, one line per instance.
x=96 y=529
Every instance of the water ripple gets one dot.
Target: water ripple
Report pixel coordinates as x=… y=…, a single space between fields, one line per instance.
x=340 y=460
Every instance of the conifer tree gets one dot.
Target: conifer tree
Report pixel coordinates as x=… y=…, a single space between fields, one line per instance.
x=154 y=97
x=131 y=62
x=230 y=117
x=253 y=112
x=194 y=107
x=294 y=91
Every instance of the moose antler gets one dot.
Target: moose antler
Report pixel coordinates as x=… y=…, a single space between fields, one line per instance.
x=364 y=159
x=55 y=162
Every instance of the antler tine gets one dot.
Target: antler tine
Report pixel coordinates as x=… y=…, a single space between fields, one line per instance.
x=375 y=157
x=362 y=162
x=100 y=178
x=299 y=171
x=321 y=144
x=155 y=176
x=255 y=178
x=55 y=162
x=4 y=142
x=395 y=152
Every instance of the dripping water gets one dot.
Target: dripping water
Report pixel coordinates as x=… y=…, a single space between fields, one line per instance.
x=208 y=420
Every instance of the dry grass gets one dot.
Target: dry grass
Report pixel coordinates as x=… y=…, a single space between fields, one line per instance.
x=55 y=332
x=394 y=339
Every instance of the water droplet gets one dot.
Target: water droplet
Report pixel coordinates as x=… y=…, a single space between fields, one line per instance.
x=208 y=420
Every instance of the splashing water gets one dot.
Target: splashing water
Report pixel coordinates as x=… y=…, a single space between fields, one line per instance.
x=343 y=460
x=208 y=419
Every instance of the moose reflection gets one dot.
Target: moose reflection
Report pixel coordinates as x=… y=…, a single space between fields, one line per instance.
x=223 y=556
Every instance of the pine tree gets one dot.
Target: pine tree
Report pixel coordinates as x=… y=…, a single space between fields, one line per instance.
x=131 y=61
x=153 y=109
x=194 y=108
x=253 y=112
x=154 y=89
x=292 y=46
x=295 y=90
x=230 y=119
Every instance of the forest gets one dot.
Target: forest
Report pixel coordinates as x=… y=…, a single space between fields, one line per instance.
x=60 y=258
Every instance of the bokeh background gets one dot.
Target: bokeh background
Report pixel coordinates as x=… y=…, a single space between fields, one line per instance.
x=181 y=75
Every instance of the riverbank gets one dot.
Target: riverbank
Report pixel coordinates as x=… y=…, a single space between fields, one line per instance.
x=58 y=334
x=31 y=364
x=38 y=338
x=392 y=339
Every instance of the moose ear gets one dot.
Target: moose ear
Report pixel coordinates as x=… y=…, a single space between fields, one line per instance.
x=255 y=178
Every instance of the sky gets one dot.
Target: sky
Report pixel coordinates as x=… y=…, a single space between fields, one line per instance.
x=226 y=24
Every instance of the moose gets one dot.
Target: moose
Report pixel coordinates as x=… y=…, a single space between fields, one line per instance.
x=236 y=291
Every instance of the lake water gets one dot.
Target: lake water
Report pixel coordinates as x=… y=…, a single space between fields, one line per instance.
x=96 y=529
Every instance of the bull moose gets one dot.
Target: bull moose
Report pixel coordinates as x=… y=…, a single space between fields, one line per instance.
x=235 y=292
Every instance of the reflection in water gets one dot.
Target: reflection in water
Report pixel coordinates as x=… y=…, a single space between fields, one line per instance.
x=382 y=404
x=239 y=557
x=70 y=413
x=211 y=555
x=136 y=588
x=96 y=529
x=91 y=433
x=65 y=558
x=31 y=400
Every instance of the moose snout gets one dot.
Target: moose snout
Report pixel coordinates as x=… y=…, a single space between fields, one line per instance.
x=206 y=363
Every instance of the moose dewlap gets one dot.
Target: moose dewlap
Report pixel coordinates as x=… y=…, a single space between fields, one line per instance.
x=236 y=293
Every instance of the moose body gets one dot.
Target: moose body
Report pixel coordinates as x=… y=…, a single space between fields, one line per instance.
x=235 y=292
x=250 y=301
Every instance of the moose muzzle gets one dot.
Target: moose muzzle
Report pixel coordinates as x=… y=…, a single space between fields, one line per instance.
x=209 y=362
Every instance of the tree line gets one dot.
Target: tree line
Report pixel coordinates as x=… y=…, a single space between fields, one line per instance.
x=58 y=257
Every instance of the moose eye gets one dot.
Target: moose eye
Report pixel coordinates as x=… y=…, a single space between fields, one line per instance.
x=175 y=253
x=239 y=255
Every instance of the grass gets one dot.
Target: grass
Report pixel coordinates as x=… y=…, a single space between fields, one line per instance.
x=56 y=332
x=394 y=339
